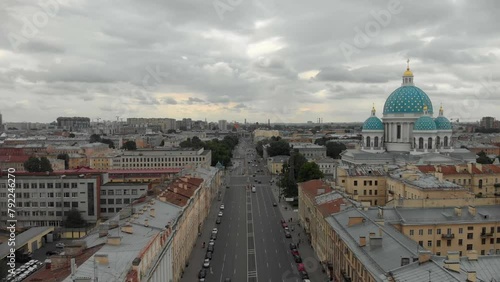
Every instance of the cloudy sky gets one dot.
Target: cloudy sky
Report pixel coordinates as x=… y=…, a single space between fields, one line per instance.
x=289 y=61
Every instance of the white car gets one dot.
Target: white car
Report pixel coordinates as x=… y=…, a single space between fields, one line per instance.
x=211 y=243
x=60 y=245
x=222 y=206
x=214 y=230
x=219 y=214
x=206 y=263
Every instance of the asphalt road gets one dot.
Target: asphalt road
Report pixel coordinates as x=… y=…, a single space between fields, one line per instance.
x=251 y=244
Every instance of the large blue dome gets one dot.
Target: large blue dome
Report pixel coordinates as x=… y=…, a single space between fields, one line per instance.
x=407 y=99
x=424 y=123
x=373 y=123
x=442 y=123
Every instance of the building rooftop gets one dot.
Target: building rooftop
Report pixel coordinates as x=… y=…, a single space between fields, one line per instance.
x=366 y=171
x=423 y=181
x=23 y=238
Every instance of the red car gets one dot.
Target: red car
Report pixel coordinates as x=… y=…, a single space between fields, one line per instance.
x=300 y=267
x=283 y=221
x=284 y=225
x=295 y=252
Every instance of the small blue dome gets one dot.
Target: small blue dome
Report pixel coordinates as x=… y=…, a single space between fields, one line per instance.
x=407 y=99
x=424 y=123
x=373 y=123
x=442 y=123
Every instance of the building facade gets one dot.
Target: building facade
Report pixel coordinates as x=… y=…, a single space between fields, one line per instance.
x=158 y=158
x=366 y=184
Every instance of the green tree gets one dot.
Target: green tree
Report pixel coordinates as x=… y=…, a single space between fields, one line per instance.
x=483 y=158
x=64 y=157
x=170 y=131
x=74 y=219
x=94 y=138
x=309 y=171
x=298 y=161
x=110 y=142
x=259 y=148
x=130 y=146
x=278 y=148
x=287 y=183
x=162 y=143
x=333 y=149
x=72 y=135
x=45 y=165
x=32 y=164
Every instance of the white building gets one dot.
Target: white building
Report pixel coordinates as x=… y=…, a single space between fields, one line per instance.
x=223 y=125
x=163 y=158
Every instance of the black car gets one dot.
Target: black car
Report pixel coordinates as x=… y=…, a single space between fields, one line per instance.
x=217 y=220
x=208 y=255
x=293 y=246
x=210 y=249
x=227 y=186
x=303 y=274
x=213 y=236
x=297 y=259
x=202 y=274
x=275 y=204
x=288 y=235
x=51 y=253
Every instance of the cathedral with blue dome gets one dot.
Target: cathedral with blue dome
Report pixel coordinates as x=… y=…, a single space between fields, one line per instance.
x=407 y=123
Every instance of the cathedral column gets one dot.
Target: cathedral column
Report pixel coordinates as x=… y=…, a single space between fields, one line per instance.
x=395 y=131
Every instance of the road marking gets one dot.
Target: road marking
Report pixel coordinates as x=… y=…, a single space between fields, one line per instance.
x=279 y=264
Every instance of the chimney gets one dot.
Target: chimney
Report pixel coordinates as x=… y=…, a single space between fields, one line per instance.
x=424 y=256
x=372 y=234
x=452 y=265
x=458 y=211
x=479 y=166
x=469 y=168
x=452 y=255
x=471 y=276
x=73 y=266
x=146 y=222
x=380 y=212
x=380 y=231
x=353 y=220
x=152 y=212
x=320 y=191
x=362 y=241
x=472 y=210
x=101 y=259
x=439 y=176
x=175 y=190
x=472 y=255
x=103 y=230
x=136 y=263
x=114 y=240
x=375 y=241
x=128 y=228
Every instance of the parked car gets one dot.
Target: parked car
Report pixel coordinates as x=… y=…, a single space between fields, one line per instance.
x=217 y=221
x=297 y=259
x=222 y=207
x=284 y=225
x=214 y=230
x=287 y=234
x=301 y=267
x=202 y=274
x=275 y=204
x=210 y=249
x=303 y=274
x=60 y=245
x=295 y=252
x=293 y=246
x=208 y=255
x=50 y=253
x=206 y=263
x=219 y=214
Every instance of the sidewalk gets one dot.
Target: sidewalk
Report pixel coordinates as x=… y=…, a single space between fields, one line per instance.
x=309 y=258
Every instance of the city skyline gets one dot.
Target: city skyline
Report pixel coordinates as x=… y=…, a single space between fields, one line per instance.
x=236 y=60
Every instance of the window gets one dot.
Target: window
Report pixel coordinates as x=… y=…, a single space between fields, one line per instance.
x=66 y=185
x=42 y=186
x=58 y=185
x=355 y=183
x=429 y=231
x=74 y=195
x=134 y=192
x=50 y=185
x=66 y=194
x=438 y=243
x=118 y=192
x=74 y=185
x=118 y=201
x=355 y=192
x=127 y=192
x=470 y=235
x=26 y=185
x=34 y=185
x=469 y=247
x=421 y=243
x=126 y=201
x=411 y=232
x=470 y=227
x=483 y=241
x=111 y=201
x=111 y=192
x=58 y=204
x=460 y=230
x=74 y=204
x=438 y=231
x=448 y=243
x=399 y=131
x=51 y=204
x=103 y=192
x=460 y=242
x=376 y=182
x=420 y=232
x=103 y=201
x=67 y=204
x=43 y=204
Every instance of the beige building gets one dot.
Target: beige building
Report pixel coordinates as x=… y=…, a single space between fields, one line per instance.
x=260 y=134
x=366 y=184
x=412 y=184
x=317 y=200
x=275 y=164
x=480 y=179
x=458 y=229
x=77 y=160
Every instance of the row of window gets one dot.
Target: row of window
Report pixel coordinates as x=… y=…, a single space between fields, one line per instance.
x=460 y=231
x=370 y=192
x=42 y=185
x=119 y=192
x=155 y=165
x=170 y=159
x=367 y=182
x=110 y=210
x=37 y=213
x=125 y=201
x=27 y=195
x=460 y=243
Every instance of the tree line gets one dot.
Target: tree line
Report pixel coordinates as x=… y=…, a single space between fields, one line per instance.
x=222 y=150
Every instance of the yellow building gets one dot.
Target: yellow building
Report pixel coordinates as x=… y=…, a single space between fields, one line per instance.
x=366 y=184
x=481 y=179
x=77 y=160
x=412 y=184
x=275 y=164
x=317 y=200
x=101 y=161
x=458 y=229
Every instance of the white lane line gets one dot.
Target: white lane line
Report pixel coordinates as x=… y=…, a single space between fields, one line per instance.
x=279 y=264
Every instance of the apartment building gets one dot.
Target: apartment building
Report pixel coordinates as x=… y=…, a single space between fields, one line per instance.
x=317 y=200
x=163 y=124
x=460 y=229
x=328 y=167
x=366 y=184
x=116 y=196
x=158 y=158
x=480 y=179
x=310 y=151
x=412 y=184
x=44 y=199
x=275 y=164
